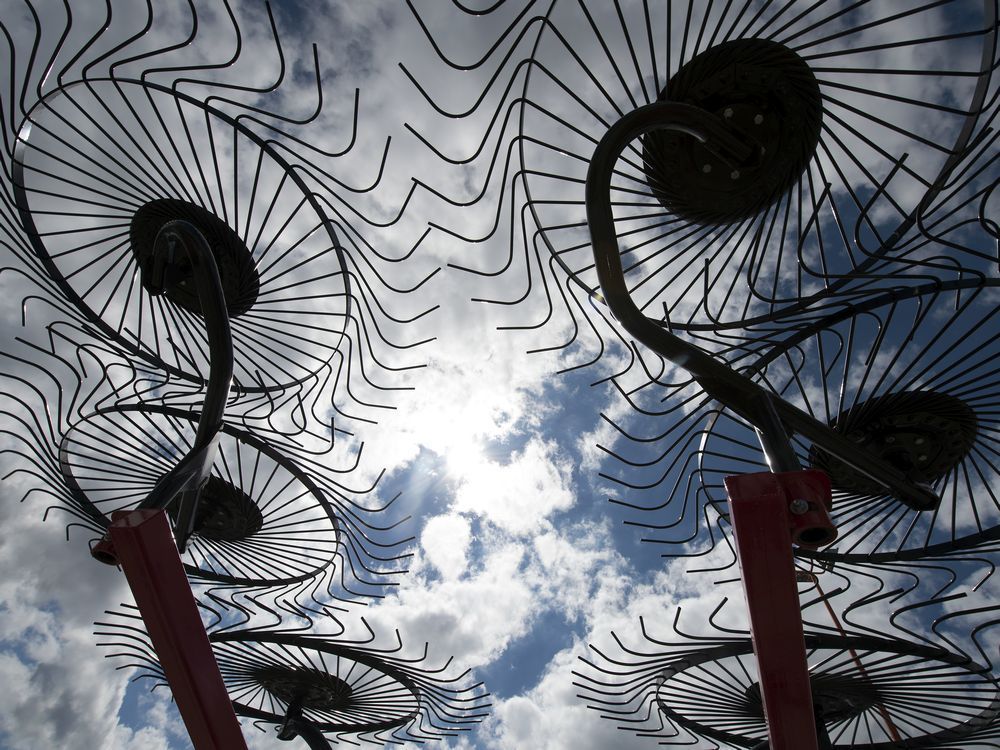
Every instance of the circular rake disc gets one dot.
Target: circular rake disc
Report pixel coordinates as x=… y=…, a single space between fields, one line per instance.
x=339 y=688
x=261 y=520
x=100 y=166
x=858 y=113
x=910 y=377
x=869 y=692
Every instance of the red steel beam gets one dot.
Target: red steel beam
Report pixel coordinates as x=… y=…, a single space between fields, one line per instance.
x=145 y=548
x=769 y=511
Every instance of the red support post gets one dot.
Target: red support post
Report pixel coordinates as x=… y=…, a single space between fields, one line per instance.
x=769 y=511
x=145 y=548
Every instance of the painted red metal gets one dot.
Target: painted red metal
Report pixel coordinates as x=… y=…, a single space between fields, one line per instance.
x=144 y=546
x=764 y=528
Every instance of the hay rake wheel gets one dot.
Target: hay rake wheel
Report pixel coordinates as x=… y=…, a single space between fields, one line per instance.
x=321 y=688
x=869 y=692
x=927 y=406
x=260 y=519
x=906 y=375
x=102 y=164
x=862 y=693
x=339 y=689
x=845 y=158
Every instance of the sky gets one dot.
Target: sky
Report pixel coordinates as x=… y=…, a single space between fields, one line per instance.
x=473 y=380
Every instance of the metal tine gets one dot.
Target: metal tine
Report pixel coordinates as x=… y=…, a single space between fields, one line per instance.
x=870 y=587
x=960 y=211
x=400 y=695
x=132 y=57
x=525 y=261
x=69 y=60
x=268 y=608
x=923 y=578
x=495 y=26
x=61 y=385
x=47 y=388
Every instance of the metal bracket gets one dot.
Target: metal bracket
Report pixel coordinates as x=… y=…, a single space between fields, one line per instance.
x=145 y=547
x=296 y=725
x=769 y=512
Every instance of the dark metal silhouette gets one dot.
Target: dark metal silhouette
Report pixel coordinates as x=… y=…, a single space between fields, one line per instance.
x=752 y=177
x=770 y=416
x=324 y=688
x=172 y=218
x=107 y=144
x=264 y=518
x=869 y=690
x=261 y=520
x=833 y=219
x=906 y=376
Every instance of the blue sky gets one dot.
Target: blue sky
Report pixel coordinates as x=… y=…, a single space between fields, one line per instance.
x=518 y=560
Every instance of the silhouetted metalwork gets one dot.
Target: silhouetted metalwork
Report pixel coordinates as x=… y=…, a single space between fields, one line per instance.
x=869 y=690
x=136 y=161
x=906 y=376
x=108 y=162
x=263 y=520
x=852 y=145
x=765 y=196
x=108 y=145
x=350 y=689
x=796 y=207
x=815 y=211
x=773 y=418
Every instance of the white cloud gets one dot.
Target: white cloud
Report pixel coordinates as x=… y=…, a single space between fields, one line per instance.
x=518 y=496
x=472 y=618
x=551 y=717
x=445 y=543
x=62 y=692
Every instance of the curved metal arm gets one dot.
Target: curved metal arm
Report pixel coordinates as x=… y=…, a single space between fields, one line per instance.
x=737 y=392
x=161 y=271
x=297 y=725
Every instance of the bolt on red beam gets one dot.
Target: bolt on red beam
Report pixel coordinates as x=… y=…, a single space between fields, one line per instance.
x=145 y=548
x=769 y=511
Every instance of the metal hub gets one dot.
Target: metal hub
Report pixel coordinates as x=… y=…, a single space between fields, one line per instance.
x=237 y=270
x=767 y=95
x=836 y=697
x=307 y=688
x=225 y=513
x=924 y=434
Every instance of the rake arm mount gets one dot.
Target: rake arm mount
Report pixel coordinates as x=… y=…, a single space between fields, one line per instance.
x=735 y=391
